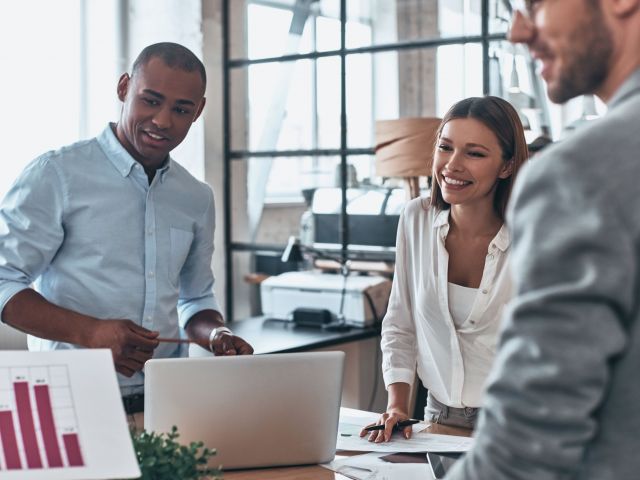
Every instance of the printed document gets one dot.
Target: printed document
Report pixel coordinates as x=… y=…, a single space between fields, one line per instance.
x=352 y=421
x=61 y=417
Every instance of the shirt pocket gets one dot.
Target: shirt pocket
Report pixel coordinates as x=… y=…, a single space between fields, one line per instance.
x=180 y=245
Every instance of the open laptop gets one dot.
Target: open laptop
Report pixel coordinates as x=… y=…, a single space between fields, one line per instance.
x=256 y=411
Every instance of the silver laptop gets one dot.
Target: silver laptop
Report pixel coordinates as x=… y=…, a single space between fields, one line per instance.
x=256 y=411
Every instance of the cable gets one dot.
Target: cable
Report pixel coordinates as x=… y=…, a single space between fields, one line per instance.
x=340 y=325
x=342 y=294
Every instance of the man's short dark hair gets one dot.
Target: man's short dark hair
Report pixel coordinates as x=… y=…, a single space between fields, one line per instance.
x=173 y=55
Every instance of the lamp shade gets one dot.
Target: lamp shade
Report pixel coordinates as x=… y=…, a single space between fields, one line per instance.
x=404 y=147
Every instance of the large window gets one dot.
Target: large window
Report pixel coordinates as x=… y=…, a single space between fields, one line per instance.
x=307 y=79
x=296 y=105
x=57 y=58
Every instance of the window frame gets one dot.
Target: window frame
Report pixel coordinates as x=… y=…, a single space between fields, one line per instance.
x=344 y=151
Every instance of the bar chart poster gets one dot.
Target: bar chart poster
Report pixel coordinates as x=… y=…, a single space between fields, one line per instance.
x=60 y=413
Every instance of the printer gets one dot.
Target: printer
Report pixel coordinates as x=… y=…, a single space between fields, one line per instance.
x=282 y=294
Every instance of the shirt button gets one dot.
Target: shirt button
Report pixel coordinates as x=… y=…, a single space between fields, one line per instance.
x=151 y=274
x=148 y=318
x=472 y=322
x=484 y=291
x=490 y=256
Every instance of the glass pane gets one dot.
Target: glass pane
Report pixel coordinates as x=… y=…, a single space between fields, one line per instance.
x=290 y=105
x=35 y=46
x=271 y=29
x=459 y=74
x=408 y=83
x=390 y=21
x=368 y=177
x=513 y=78
x=274 y=190
x=290 y=179
x=365 y=169
x=290 y=176
x=274 y=28
x=499 y=16
x=246 y=294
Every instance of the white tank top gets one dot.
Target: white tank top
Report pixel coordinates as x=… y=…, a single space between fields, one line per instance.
x=460 y=302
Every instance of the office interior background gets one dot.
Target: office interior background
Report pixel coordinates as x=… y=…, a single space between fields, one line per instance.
x=295 y=88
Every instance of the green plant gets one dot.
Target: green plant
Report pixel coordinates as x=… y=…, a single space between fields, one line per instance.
x=161 y=457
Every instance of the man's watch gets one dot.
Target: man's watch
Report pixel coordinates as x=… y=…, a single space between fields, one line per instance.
x=215 y=332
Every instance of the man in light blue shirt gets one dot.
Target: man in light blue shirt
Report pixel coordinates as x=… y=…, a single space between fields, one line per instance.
x=115 y=236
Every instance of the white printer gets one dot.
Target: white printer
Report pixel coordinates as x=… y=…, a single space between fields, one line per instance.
x=282 y=294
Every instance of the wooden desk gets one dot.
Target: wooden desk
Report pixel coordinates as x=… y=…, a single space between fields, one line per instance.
x=316 y=472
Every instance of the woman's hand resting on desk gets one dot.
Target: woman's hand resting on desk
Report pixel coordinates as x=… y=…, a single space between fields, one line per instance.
x=389 y=419
x=397 y=409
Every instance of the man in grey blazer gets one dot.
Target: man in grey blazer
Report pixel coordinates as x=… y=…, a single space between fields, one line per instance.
x=563 y=399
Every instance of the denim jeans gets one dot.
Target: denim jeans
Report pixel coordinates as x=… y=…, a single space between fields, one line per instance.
x=438 y=412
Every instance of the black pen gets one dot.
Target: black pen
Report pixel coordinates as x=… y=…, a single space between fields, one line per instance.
x=400 y=424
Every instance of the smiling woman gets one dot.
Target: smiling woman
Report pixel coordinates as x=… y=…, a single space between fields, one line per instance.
x=488 y=130
x=452 y=279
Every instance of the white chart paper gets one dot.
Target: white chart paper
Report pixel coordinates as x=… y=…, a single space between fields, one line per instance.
x=61 y=417
x=352 y=421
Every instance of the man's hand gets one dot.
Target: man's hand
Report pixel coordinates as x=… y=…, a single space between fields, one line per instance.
x=130 y=344
x=225 y=343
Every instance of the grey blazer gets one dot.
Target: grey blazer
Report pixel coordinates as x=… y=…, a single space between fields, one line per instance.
x=563 y=399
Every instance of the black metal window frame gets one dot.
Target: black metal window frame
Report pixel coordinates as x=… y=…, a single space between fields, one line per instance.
x=229 y=155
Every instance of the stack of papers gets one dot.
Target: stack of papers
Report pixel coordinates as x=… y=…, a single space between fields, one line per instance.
x=352 y=421
x=372 y=466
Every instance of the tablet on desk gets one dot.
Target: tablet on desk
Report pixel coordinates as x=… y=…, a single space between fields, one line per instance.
x=441 y=463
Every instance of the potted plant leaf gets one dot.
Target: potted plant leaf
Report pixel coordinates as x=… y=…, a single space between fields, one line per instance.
x=161 y=457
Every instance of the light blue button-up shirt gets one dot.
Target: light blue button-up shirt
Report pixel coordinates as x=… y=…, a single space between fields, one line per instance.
x=83 y=225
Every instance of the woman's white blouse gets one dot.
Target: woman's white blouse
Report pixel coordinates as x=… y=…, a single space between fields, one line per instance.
x=418 y=330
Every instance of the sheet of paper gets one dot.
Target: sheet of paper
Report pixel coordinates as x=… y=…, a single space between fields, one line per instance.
x=61 y=417
x=352 y=421
x=371 y=467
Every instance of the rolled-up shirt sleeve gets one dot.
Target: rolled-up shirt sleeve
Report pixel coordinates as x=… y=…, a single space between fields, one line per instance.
x=398 y=331
x=563 y=332
x=31 y=226
x=196 y=276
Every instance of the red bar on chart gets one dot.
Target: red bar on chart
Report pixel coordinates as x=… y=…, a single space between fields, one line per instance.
x=9 y=442
x=72 y=445
x=47 y=425
x=25 y=417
